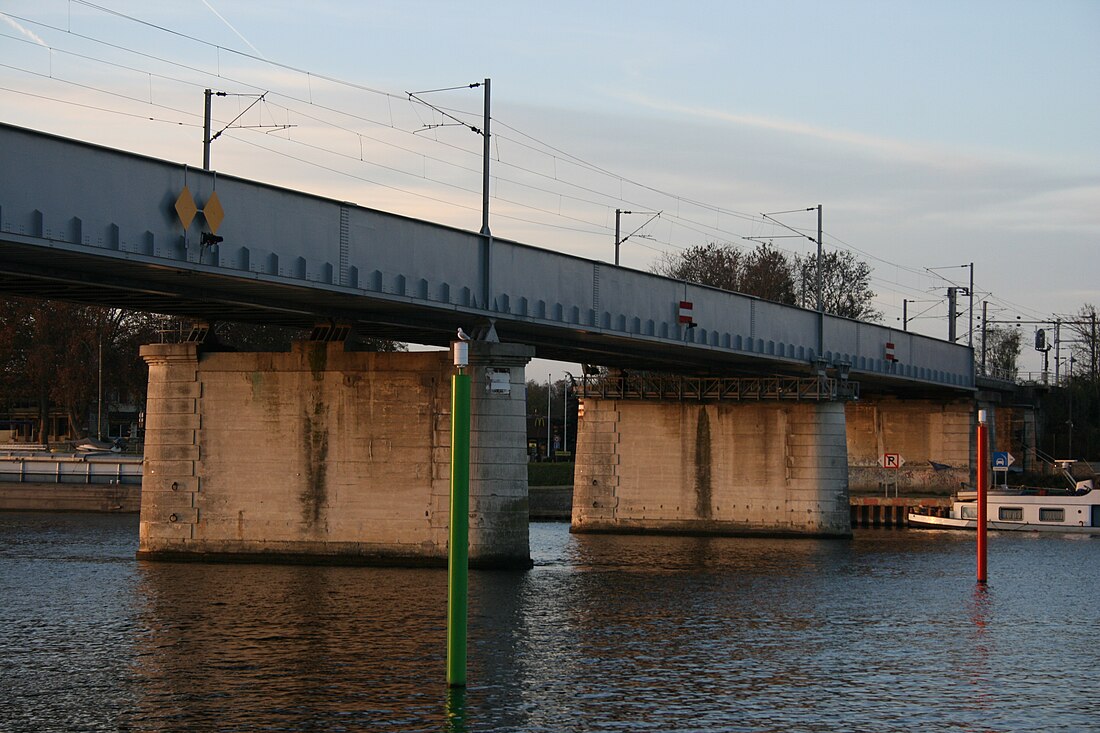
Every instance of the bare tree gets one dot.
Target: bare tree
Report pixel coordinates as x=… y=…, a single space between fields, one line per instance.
x=768 y=273
x=1003 y=349
x=52 y=354
x=1085 y=332
x=763 y=271
x=845 y=285
x=716 y=265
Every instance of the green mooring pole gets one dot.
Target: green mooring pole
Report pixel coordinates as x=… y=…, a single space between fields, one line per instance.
x=459 y=552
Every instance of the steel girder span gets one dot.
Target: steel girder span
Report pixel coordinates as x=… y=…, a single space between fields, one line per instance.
x=92 y=224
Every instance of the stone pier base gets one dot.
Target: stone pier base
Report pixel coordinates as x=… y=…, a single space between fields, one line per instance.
x=724 y=468
x=321 y=455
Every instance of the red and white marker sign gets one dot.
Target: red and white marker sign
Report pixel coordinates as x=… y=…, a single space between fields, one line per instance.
x=685 y=313
x=890 y=351
x=891 y=460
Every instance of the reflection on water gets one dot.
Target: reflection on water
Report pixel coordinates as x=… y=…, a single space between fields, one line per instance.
x=888 y=632
x=236 y=645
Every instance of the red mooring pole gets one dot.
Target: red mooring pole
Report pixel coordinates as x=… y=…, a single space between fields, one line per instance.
x=983 y=480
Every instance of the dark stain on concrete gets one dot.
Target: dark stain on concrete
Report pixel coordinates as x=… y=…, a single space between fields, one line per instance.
x=314 y=494
x=703 y=465
x=317 y=354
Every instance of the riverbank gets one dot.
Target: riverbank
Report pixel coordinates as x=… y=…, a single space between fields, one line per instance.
x=546 y=503
x=54 y=497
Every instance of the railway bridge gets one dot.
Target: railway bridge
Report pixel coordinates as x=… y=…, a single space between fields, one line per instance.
x=326 y=453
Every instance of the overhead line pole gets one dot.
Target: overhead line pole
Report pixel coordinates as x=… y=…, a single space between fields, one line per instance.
x=985 y=322
x=820 y=295
x=206 y=133
x=485 y=232
x=619 y=239
x=487 y=243
x=970 y=337
x=485 y=168
x=820 y=298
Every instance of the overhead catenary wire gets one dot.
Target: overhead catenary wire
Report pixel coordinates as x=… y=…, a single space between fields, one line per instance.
x=576 y=160
x=99 y=109
x=316 y=164
x=591 y=196
x=315 y=118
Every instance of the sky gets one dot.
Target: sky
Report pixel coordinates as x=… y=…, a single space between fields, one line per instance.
x=934 y=134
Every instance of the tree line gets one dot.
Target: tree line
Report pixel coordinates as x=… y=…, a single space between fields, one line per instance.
x=53 y=353
x=1071 y=412
x=776 y=276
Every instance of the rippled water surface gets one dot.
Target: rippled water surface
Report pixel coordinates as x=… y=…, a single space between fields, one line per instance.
x=887 y=632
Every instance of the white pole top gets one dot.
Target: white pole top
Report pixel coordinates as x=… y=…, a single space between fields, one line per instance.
x=461 y=353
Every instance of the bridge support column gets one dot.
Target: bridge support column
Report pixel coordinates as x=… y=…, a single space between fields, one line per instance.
x=321 y=455
x=933 y=436
x=498 y=454
x=723 y=468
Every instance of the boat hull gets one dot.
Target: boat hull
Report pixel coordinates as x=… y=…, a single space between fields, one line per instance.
x=922 y=521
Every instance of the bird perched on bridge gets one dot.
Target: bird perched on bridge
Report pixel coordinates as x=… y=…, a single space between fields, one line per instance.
x=462 y=335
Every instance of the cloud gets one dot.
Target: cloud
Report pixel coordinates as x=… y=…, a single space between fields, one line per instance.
x=893 y=149
x=26 y=32
x=230 y=26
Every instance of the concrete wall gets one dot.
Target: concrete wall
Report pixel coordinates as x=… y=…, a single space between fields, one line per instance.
x=498 y=456
x=1015 y=430
x=318 y=454
x=934 y=438
x=724 y=468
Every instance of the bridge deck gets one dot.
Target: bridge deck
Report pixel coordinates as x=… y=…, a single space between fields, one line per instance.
x=91 y=224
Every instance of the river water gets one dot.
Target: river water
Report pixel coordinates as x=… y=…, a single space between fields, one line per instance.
x=886 y=632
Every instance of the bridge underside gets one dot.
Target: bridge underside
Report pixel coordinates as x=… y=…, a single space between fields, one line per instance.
x=215 y=297
x=80 y=278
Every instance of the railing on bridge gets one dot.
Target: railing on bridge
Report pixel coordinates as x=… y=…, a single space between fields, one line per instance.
x=1044 y=378
x=47 y=468
x=707 y=389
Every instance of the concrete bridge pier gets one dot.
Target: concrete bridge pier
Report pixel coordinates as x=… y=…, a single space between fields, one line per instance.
x=935 y=437
x=722 y=467
x=322 y=455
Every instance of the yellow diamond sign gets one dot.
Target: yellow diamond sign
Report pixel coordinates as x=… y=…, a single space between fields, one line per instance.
x=185 y=207
x=213 y=212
